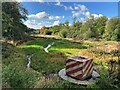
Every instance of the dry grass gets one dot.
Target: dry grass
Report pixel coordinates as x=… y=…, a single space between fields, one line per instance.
x=44 y=82
x=101 y=51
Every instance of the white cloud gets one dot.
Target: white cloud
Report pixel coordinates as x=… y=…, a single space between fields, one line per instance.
x=30 y=24
x=80 y=7
x=37 y=25
x=55 y=17
x=40 y=0
x=83 y=7
x=76 y=14
x=76 y=8
x=96 y=15
x=81 y=10
x=41 y=19
x=87 y=14
x=39 y=15
x=56 y=23
x=27 y=22
x=71 y=8
x=66 y=8
x=58 y=2
x=61 y=5
x=30 y=1
x=44 y=15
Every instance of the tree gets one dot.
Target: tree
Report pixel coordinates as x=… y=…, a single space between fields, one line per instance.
x=63 y=32
x=61 y=24
x=88 y=30
x=74 y=29
x=48 y=31
x=13 y=15
x=42 y=30
x=74 y=20
x=56 y=29
x=100 y=25
x=112 y=29
x=15 y=11
x=66 y=23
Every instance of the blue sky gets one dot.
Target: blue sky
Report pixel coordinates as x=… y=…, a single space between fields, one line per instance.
x=52 y=13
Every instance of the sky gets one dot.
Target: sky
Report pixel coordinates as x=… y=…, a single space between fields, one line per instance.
x=52 y=13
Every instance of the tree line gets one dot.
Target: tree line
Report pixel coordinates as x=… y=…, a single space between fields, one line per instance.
x=100 y=28
x=13 y=16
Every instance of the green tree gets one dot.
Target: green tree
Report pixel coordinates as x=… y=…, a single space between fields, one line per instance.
x=100 y=25
x=13 y=15
x=67 y=23
x=55 y=30
x=74 y=29
x=88 y=30
x=74 y=20
x=112 y=29
x=63 y=32
x=61 y=24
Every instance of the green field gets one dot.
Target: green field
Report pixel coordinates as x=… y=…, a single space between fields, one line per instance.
x=45 y=66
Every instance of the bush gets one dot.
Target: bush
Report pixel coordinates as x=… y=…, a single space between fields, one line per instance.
x=63 y=34
x=48 y=32
x=17 y=77
x=106 y=79
x=7 y=50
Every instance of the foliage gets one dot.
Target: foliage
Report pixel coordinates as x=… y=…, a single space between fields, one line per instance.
x=13 y=15
x=100 y=25
x=16 y=77
x=48 y=32
x=14 y=72
x=6 y=50
x=63 y=33
x=42 y=30
x=97 y=28
x=112 y=29
x=67 y=23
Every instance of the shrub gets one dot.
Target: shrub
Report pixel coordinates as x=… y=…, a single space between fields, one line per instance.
x=7 y=50
x=63 y=33
x=17 y=77
x=48 y=32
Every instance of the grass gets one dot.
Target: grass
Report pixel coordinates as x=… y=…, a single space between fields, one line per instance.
x=51 y=63
x=55 y=60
